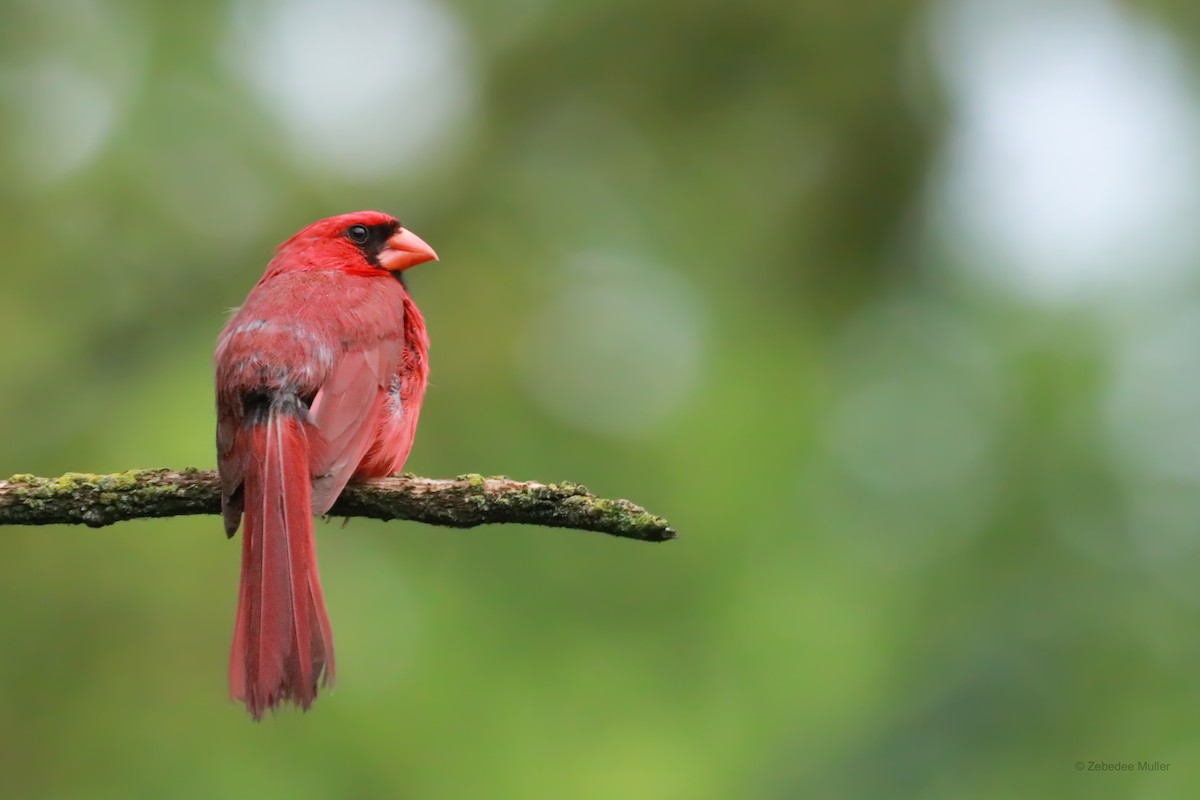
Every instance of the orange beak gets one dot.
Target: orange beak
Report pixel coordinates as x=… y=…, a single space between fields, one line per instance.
x=403 y=250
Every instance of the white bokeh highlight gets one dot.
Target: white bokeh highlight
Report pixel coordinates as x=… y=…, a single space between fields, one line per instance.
x=1153 y=401
x=62 y=117
x=1151 y=415
x=361 y=88
x=912 y=436
x=1072 y=170
x=61 y=102
x=617 y=350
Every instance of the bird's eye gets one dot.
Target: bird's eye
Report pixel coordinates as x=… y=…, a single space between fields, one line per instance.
x=358 y=234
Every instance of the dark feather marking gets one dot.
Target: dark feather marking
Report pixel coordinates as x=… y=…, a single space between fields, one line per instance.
x=257 y=404
x=377 y=236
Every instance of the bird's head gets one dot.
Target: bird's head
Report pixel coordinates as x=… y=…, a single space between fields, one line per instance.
x=361 y=241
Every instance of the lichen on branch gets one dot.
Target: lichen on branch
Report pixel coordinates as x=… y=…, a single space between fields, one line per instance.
x=462 y=502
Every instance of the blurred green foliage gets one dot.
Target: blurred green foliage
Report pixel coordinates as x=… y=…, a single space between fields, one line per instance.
x=684 y=260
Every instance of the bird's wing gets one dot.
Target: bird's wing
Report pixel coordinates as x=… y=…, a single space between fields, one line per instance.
x=397 y=420
x=345 y=411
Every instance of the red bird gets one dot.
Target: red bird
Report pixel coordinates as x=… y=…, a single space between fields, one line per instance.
x=320 y=377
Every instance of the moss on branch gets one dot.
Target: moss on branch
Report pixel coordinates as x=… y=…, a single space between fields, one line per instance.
x=462 y=502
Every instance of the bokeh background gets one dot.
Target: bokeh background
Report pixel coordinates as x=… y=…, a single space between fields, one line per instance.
x=892 y=308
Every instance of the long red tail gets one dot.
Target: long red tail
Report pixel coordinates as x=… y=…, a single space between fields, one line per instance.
x=282 y=643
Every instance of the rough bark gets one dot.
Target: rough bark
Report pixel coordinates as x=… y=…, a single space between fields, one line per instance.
x=462 y=502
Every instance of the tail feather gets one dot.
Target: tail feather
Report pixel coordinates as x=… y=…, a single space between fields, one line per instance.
x=282 y=642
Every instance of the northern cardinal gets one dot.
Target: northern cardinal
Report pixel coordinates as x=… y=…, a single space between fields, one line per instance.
x=320 y=377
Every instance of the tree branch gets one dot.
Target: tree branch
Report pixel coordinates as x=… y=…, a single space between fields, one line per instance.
x=464 y=502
